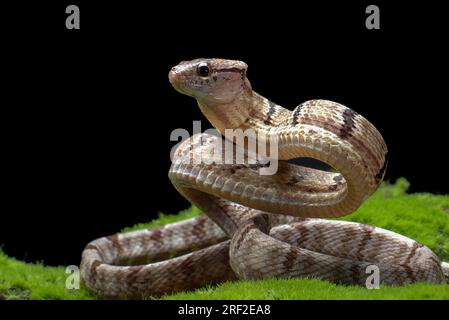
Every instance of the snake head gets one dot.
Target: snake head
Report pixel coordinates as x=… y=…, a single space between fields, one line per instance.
x=210 y=81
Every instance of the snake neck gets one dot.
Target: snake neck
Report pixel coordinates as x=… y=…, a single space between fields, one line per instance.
x=247 y=110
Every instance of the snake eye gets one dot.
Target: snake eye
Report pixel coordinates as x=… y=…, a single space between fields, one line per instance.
x=203 y=70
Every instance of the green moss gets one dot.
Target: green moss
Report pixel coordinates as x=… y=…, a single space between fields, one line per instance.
x=423 y=217
x=165 y=219
x=310 y=289
x=19 y=280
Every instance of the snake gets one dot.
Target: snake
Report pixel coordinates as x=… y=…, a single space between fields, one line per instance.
x=253 y=225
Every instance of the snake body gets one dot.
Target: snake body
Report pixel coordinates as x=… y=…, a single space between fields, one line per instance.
x=258 y=226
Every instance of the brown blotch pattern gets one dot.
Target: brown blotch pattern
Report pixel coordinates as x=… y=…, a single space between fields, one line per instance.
x=296 y=113
x=115 y=242
x=290 y=259
x=367 y=234
x=198 y=229
x=348 y=123
x=380 y=175
x=271 y=110
x=156 y=237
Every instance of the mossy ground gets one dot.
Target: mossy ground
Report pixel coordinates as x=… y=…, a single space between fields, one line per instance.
x=423 y=217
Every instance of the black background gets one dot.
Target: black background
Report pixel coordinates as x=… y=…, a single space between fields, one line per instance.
x=87 y=114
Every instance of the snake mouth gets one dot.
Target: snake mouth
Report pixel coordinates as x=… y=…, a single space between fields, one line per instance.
x=178 y=81
x=173 y=78
x=175 y=82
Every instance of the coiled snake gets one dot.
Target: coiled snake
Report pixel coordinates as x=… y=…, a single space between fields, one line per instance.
x=258 y=226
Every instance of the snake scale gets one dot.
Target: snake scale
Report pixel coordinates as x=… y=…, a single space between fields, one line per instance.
x=257 y=226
